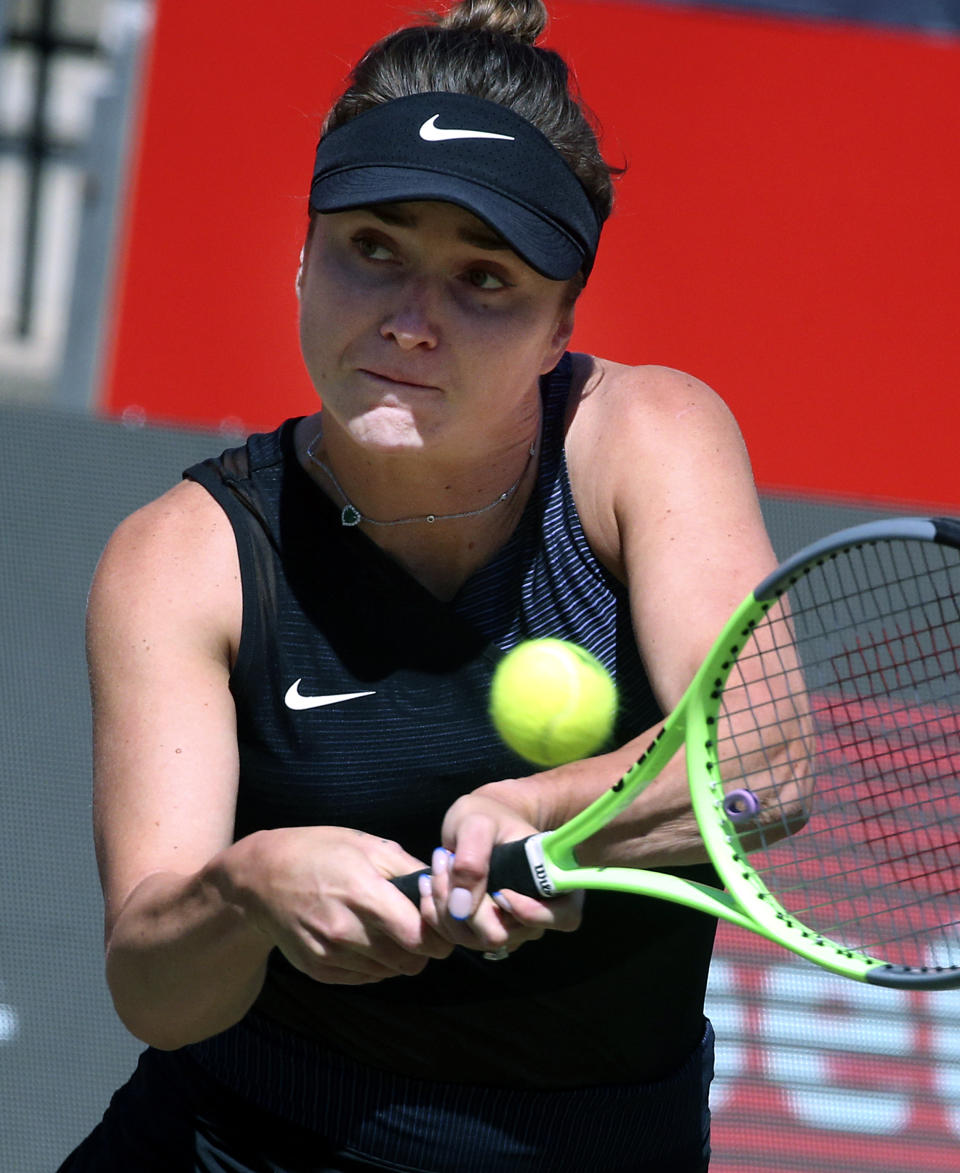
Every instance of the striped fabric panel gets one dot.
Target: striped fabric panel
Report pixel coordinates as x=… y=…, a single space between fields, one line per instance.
x=418 y=1125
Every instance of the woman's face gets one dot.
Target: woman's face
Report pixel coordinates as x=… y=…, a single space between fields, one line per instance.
x=420 y=327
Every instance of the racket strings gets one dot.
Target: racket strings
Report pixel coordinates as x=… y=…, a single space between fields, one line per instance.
x=841 y=715
x=911 y=850
x=838 y=877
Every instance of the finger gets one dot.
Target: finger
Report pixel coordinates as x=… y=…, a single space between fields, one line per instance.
x=392 y=858
x=489 y=924
x=435 y=893
x=484 y=923
x=454 y=924
x=494 y=927
x=491 y=927
x=468 y=865
x=439 y=890
x=560 y=914
x=334 y=964
x=384 y=941
x=509 y=919
x=342 y=976
x=403 y=920
x=434 y=943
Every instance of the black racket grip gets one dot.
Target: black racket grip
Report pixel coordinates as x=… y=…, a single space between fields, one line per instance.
x=409 y=884
x=509 y=868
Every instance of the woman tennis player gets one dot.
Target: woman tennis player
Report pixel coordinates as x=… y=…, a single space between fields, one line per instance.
x=291 y=653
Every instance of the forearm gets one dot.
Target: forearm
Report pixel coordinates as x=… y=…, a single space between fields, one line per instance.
x=657 y=829
x=184 y=961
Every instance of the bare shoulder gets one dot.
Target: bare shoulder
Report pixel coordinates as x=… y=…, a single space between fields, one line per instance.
x=649 y=442
x=666 y=495
x=648 y=402
x=173 y=561
x=656 y=439
x=185 y=519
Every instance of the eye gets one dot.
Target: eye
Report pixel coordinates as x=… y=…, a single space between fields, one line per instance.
x=372 y=248
x=486 y=280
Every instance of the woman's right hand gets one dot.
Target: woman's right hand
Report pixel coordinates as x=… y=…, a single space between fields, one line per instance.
x=322 y=896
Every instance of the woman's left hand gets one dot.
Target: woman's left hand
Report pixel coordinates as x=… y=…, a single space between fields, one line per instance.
x=455 y=901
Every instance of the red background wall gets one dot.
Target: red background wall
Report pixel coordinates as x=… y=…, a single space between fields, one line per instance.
x=787 y=229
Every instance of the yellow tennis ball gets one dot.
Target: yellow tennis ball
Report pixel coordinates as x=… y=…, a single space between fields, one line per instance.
x=552 y=702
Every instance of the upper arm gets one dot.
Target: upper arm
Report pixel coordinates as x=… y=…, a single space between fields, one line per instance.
x=676 y=509
x=162 y=624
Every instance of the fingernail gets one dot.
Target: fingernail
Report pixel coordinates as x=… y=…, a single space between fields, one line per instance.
x=425 y=884
x=440 y=861
x=501 y=901
x=460 y=903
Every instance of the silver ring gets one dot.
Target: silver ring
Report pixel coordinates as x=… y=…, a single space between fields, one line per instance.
x=500 y=954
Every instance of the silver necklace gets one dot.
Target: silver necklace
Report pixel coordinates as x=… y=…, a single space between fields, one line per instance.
x=350 y=515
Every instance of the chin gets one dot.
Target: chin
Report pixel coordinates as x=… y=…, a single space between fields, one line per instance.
x=388 y=430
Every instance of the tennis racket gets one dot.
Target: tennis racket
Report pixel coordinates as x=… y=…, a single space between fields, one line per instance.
x=822 y=743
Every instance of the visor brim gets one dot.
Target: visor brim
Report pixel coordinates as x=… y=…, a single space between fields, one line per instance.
x=543 y=245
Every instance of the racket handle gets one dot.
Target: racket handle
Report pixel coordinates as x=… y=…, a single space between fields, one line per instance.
x=509 y=868
x=409 y=884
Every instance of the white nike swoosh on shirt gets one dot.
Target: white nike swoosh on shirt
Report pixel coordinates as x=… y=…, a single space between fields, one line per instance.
x=432 y=133
x=296 y=701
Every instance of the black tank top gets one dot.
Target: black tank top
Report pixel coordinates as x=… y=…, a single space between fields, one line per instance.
x=327 y=613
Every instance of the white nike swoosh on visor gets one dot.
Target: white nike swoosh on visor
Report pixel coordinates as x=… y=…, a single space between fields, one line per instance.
x=432 y=133
x=296 y=701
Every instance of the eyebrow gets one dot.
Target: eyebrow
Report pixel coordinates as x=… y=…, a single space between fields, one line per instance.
x=391 y=215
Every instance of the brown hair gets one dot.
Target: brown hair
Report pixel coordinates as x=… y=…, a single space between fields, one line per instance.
x=486 y=48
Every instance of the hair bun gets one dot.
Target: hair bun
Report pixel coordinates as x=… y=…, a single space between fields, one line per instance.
x=523 y=20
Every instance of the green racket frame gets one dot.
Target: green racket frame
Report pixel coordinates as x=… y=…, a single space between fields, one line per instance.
x=747 y=901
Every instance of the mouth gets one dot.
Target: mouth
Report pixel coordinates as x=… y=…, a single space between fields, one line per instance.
x=398 y=379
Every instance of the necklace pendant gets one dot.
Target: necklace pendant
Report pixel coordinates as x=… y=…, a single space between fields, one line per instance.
x=350 y=515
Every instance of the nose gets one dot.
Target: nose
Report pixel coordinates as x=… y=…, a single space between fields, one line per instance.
x=412 y=322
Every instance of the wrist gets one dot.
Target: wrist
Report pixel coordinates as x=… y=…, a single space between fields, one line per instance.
x=544 y=800
x=235 y=877
x=516 y=794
